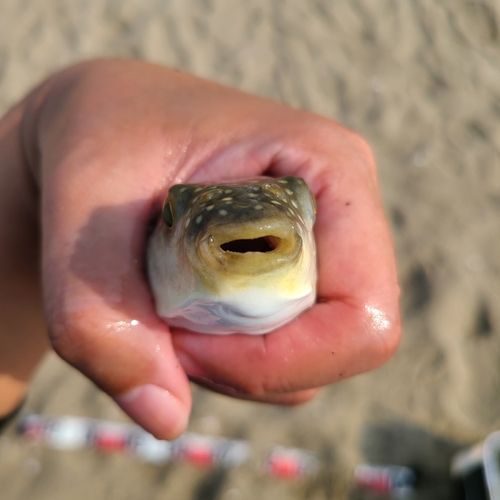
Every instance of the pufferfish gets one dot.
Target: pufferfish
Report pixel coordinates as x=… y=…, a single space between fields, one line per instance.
x=236 y=257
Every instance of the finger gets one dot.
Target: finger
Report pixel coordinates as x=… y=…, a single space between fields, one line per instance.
x=101 y=317
x=100 y=314
x=320 y=347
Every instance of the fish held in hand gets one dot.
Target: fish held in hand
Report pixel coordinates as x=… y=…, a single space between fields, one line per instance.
x=235 y=257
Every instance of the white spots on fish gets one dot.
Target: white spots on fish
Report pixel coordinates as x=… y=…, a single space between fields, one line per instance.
x=294 y=203
x=289 y=192
x=182 y=189
x=199 y=219
x=228 y=198
x=228 y=191
x=274 y=202
x=283 y=181
x=210 y=195
x=258 y=207
x=252 y=195
x=198 y=189
x=210 y=207
x=188 y=220
x=222 y=212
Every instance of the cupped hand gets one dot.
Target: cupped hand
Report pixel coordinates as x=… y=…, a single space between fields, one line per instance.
x=104 y=141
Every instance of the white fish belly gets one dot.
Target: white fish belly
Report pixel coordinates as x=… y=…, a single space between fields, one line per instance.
x=250 y=312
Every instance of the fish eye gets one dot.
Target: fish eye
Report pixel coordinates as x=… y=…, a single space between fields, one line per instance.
x=168 y=214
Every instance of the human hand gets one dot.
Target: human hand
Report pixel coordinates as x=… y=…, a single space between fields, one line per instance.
x=104 y=141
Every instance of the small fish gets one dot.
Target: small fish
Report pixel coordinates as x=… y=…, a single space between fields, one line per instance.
x=235 y=257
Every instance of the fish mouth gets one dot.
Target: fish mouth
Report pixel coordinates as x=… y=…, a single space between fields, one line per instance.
x=250 y=248
x=262 y=244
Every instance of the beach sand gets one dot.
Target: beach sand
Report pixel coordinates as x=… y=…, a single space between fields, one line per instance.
x=421 y=81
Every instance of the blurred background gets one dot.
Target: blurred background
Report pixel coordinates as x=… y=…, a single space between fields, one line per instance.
x=420 y=79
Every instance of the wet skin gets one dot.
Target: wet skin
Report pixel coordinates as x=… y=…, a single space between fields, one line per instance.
x=87 y=160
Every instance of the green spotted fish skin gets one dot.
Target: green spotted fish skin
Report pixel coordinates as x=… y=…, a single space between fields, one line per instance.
x=236 y=257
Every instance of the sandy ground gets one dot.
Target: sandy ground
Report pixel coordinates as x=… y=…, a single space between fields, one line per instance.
x=419 y=79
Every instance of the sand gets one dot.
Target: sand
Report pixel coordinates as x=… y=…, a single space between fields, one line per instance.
x=421 y=81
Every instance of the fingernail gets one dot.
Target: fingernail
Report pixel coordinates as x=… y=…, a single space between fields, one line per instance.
x=155 y=409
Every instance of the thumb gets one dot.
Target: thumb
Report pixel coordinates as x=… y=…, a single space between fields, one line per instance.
x=100 y=312
x=98 y=159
